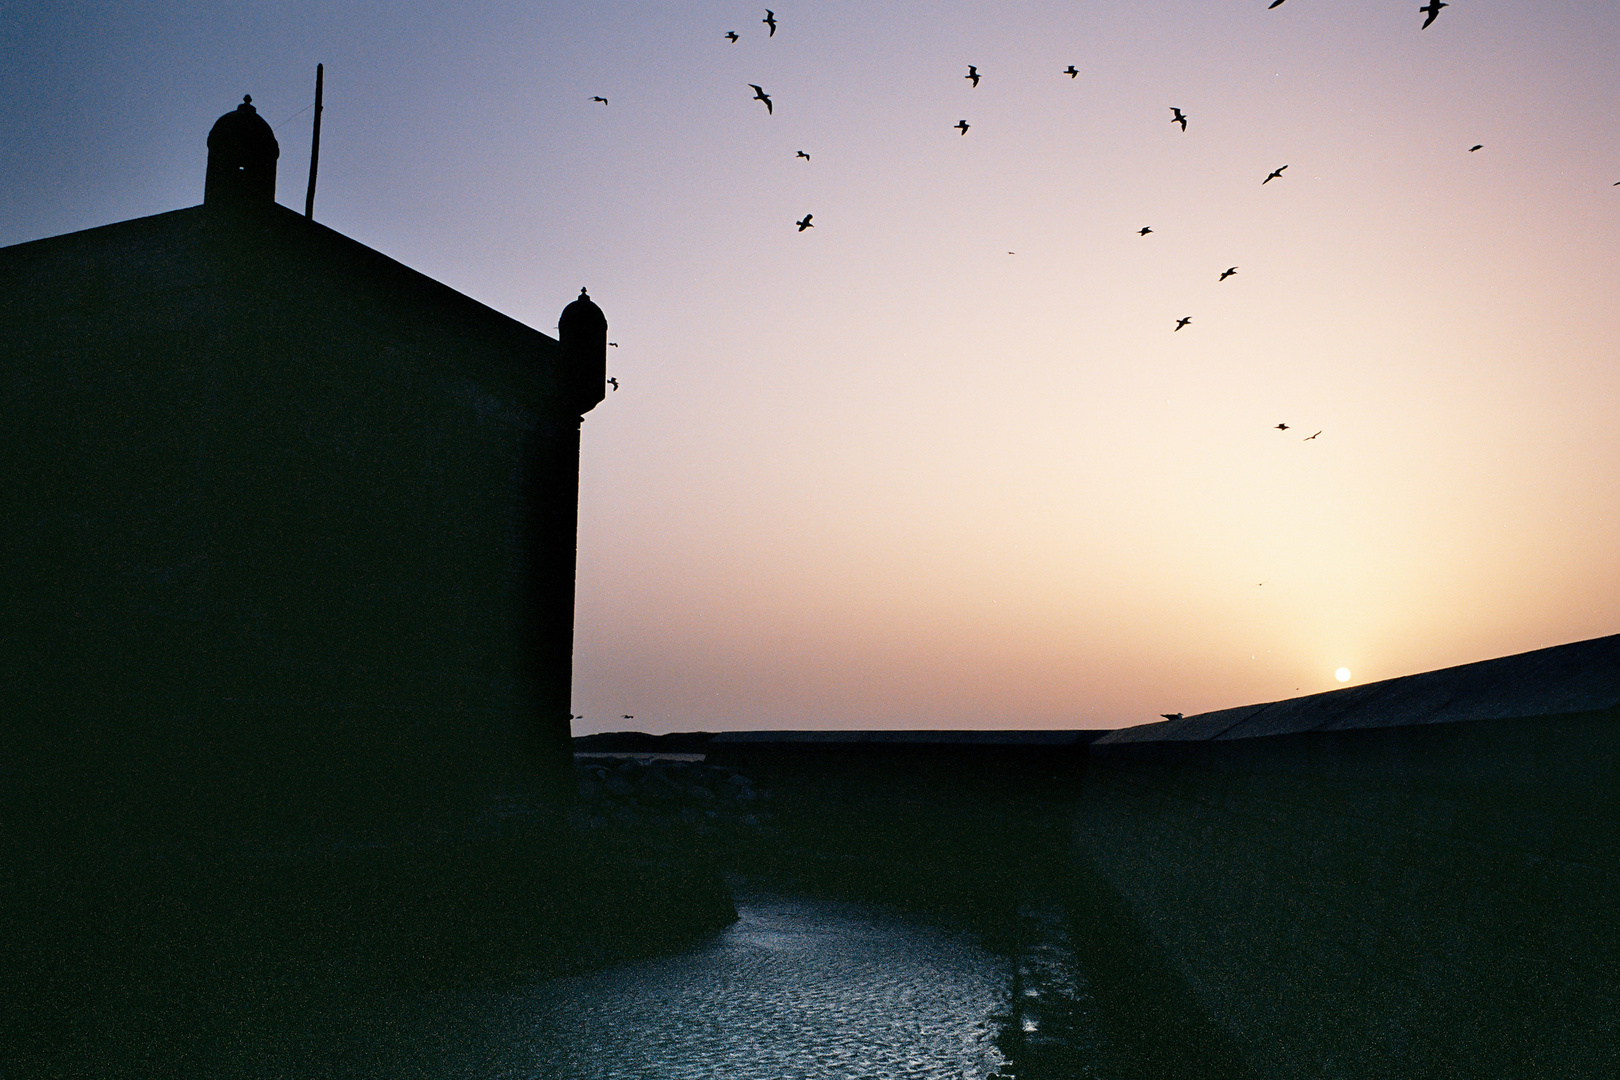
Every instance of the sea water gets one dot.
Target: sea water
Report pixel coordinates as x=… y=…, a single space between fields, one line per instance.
x=796 y=988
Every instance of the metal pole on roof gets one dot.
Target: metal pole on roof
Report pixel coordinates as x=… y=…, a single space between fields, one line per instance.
x=314 y=146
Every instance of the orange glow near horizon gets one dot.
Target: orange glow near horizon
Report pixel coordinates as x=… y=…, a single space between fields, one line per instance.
x=882 y=473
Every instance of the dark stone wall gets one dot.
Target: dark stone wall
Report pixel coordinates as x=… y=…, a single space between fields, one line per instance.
x=282 y=553
x=1420 y=901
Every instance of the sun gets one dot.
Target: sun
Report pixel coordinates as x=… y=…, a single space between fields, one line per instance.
x=1343 y=674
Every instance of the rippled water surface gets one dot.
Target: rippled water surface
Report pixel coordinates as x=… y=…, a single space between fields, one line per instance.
x=796 y=988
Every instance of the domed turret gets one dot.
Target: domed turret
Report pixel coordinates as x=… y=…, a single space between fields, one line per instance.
x=242 y=153
x=582 y=330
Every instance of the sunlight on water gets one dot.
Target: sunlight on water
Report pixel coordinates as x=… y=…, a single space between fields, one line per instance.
x=796 y=988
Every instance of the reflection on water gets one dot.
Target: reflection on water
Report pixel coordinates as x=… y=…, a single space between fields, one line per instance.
x=796 y=988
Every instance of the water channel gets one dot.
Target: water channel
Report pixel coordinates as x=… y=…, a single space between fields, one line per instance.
x=796 y=988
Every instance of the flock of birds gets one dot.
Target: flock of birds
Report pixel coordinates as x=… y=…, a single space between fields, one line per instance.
x=1177 y=116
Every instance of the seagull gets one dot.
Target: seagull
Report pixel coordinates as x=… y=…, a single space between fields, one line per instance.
x=613 y=382
x=1228 y=272
x=963 y=124
x=1182 y=322
x=731 y=36
x=1069 y=71
x=1476 y=146
x=805 y=224
x=1275 y=173
x=1143 y=231
x=1433 y=8
x=973 y=73
x=1176 y=715
x=1179 y=118
x=603 y=100
x=1282 y=427
x=802 y=154
x=1308 y=438
x=761 y=95
x=770 y=21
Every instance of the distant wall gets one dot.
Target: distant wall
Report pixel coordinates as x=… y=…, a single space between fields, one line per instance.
x=1429 y=900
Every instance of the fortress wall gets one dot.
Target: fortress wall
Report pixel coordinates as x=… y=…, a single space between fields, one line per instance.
x=1410 y=901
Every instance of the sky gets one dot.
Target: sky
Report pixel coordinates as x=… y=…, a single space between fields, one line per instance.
x=941 y=460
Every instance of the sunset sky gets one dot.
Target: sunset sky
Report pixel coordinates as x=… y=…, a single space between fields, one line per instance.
x=883 y=473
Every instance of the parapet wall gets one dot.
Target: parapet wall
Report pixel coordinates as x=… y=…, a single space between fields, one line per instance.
x=1413 y=879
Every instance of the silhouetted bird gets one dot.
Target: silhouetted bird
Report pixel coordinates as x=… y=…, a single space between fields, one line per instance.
x=973 y=73
x=805 y=224
x=802 y=154
x=613 y=382
x=1179 y=118
x=626 y=716
x=1228 y=272
x=1274 y=3
x=731 y=36
x=770 y=21
x=1476 y=146
x=1143 y=231
x=1275 y=173
x=1308 y=438
x=1069 y=71
x=615 y=344
x=1182 y=322
x=1433 y=8
x=963 y=124
x=603 y=100
x=761 y=95
x=1176 y=715
x=1282 y=427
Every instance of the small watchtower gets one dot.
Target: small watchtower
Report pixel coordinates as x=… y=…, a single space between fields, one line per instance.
x=242 y=153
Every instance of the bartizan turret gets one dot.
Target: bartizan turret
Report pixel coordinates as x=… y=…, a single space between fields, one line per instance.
x=582 y=330
x=242 y=153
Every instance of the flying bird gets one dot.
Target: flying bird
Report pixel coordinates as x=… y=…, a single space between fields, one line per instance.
x=1274 y=3
x=613 y=382
x=1433 y=8
x=1282 y=427
x=1275 y=173
x=1228 y=272
x=603 y=100
x=1143 y=231
x=973 y=73
x=761 y=95
x=615 y=344
x=963 y=124
x=1176 y=715
x=1069 y=71
x=770 y=21
x=1182 y=322
x=802 y=154
x=805 y=224
x=1308 y=438
x=1179 y=118
x=626 y=716
x=1476 y=146
x=731 y=36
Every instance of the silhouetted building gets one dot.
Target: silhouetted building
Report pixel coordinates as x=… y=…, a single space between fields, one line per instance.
x=289 y=529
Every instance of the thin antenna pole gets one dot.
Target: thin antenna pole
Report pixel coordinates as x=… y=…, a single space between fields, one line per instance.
x=314 y=146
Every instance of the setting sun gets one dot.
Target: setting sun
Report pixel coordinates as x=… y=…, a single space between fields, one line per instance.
x=1343 y=674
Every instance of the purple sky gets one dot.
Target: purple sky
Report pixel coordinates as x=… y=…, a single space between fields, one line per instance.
x=883 y=473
